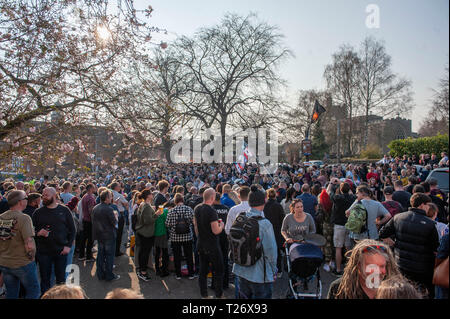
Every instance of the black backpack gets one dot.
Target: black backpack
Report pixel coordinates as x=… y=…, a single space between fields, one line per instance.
x=245 y=245
x=182 y=226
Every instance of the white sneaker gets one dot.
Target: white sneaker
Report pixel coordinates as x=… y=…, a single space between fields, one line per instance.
x=326 y=267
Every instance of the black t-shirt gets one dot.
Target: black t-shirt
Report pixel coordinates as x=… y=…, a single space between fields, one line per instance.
x=222 y=213
x=205 y=215
x=160 y=199
x=60 y=222
x=29 y=210
x=403 y=198
x=341 y=203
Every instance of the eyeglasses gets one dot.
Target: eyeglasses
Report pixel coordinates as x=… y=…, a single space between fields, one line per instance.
x=374 y=247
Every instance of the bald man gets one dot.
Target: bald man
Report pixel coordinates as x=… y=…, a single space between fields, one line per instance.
x=55 y=235
x=207 y=228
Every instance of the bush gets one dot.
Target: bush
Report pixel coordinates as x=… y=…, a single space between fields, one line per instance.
x=371 y=152
x=424 y=145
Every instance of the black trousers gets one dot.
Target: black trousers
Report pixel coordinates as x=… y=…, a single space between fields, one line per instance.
x=145 y=248
x=86 y=241
x=223 y=242
x=177 y=256
x=213 y=256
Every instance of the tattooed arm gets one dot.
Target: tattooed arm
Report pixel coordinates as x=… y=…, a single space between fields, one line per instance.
x=30 y=248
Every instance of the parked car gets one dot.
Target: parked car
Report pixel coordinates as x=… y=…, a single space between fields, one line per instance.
x=441 y=175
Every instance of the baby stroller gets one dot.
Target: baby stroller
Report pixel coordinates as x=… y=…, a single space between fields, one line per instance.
x=303 y=260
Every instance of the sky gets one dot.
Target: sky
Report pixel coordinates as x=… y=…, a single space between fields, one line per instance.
x=415 y=33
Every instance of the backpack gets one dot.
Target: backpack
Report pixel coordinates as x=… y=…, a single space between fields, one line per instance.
x=393 y=207
x=182 y=226
x=245 y=244
x=357 y=220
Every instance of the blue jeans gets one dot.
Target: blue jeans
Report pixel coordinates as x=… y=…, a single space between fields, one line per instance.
x=105 y=259
x=69 y=259
x=46 y=262
x=27 y=276
x=441 y=292
x=251 y=290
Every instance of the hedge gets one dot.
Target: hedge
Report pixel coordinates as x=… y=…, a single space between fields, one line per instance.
x=417 y=146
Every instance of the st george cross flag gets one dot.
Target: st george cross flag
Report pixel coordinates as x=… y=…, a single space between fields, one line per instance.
x=318 y=109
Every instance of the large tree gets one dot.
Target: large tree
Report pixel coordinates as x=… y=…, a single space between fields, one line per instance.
x=437 y=120
x=156 y=110
x=297 y=119
x=232 y=69
x=342 y=77
x=380 y=90
x=62 y=56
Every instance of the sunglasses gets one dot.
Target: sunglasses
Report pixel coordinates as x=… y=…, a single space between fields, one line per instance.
x=374 y=247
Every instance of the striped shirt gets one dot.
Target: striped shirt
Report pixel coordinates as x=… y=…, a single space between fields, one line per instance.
x=174 y=214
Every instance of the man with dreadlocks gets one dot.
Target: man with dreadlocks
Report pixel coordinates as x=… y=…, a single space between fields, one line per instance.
x=369 y=263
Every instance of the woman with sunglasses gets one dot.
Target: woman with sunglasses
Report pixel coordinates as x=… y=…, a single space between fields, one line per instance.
x=370 y=262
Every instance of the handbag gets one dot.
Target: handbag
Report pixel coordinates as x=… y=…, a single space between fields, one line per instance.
x=440 y=276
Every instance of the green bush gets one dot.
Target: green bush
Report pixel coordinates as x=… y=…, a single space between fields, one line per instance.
x=371 y=152
x=424 y=145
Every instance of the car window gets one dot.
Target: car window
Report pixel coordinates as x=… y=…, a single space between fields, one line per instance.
x=442 y=179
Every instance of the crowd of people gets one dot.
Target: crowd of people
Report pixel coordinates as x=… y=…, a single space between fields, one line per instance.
x=194 y=212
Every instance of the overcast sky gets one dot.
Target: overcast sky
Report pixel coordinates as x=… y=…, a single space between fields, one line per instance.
x=415 y=33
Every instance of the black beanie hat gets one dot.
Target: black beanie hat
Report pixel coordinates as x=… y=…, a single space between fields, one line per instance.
x=256 y=197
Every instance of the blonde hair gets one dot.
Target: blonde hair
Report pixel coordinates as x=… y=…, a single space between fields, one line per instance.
x=234 y=197
x=102 y=189
x=122 y=293
x=272 y=193
x=65 y=292
x=350 y=286
x=398 y=287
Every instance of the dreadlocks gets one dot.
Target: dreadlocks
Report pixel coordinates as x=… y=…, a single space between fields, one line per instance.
x=350 y=286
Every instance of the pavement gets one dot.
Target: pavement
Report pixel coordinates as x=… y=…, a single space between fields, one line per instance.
x=168 y=287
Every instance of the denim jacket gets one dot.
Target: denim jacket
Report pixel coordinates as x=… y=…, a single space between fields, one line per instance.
x=255 y=273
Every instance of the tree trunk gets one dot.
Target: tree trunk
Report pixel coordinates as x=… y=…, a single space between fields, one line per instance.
x=366 y=127
x=166 y=148
x=223 y=125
